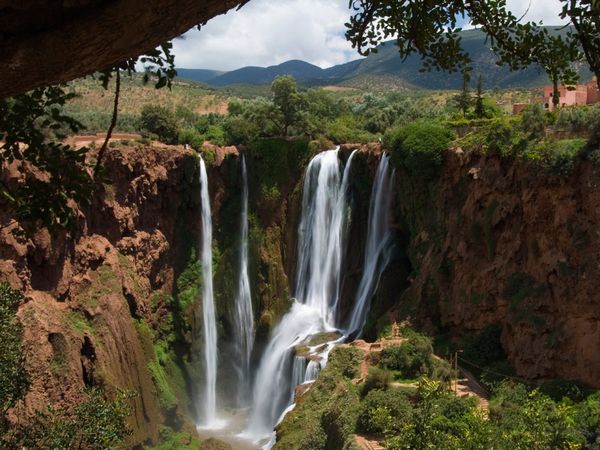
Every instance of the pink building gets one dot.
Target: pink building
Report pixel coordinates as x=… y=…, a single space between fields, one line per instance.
x=581 y=94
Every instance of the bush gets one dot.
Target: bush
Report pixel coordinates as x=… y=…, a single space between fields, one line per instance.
x=412 y=358
x=419 y=146
x=215 y=135
x=377 y=379
x=94 y=424
x=191 y=137
x=441 y=370
x=383 y=411
x=239 y=130
x=534 y=121
x=559 y=156
x=346 y=129
x=503 y=140
x=587 y=421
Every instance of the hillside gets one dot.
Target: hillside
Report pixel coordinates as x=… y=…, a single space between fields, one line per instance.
x=386 y=69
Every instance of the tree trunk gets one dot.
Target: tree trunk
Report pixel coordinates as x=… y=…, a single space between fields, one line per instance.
x=555 y=93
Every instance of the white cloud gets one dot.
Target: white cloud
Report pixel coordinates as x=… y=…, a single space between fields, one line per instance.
x=546 y=11
x=268 y=32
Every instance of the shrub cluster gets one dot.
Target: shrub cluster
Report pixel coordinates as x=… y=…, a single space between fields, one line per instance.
x=419 y=146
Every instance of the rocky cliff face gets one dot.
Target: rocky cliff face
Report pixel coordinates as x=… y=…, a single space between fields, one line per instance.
x=91 y=294
x=494 y=241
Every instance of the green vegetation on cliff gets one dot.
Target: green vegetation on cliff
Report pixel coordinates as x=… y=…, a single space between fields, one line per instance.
x=97 y=422
x=335 y=409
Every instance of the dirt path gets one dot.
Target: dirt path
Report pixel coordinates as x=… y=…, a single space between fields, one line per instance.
x=366 y=444
x=98 y=139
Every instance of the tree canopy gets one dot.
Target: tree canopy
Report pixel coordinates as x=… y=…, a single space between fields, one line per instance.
x=431 y=30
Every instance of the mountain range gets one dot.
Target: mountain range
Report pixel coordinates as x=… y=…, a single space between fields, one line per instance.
x=383 y=67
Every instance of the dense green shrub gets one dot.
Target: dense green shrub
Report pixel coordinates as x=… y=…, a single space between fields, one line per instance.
x=96 y=423
x=502 y=139
x=411 y=358
x=534 y=121
x=383 y=411
x=419 y=146
x=345 y=361
x=239 y=130
x=215 y=135
x=440 y=369
x=559 y=156
x=587 y=421
x=346 y=129
x=191 y=137
x=377 y=378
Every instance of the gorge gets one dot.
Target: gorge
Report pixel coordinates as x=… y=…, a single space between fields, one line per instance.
x=468 y=250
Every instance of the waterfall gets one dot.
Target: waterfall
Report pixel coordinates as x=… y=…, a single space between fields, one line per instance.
x=320 y=250
x=321 y=233
x=378 y=245
x=244 y=317
x=208 y=307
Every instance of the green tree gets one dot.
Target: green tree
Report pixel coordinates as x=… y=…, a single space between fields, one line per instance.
x=479 y=108
x=290 y=106
x=463 y=99
x=160 y=121
x=533 y=121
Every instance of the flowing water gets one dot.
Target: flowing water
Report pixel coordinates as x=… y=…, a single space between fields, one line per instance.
x=209 y=400
x=378 y=246
x=244 y=317
x=321 y=242
x=320 y=250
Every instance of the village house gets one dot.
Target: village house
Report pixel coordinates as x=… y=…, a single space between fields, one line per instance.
x=581 y=94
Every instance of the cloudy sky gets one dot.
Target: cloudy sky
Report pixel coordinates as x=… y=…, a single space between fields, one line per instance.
x=268 y=32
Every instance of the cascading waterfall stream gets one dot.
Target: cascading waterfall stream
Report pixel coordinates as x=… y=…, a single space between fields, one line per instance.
x=320 y=250
x=378 y=246
x=209 y=399
x=244 y=316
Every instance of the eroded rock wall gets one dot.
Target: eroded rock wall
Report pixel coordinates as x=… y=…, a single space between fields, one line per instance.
x=499 y=241
x=87 y=293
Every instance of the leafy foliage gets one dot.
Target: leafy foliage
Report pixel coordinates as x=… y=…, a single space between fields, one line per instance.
x=419 y=146
x=14 y=380
x=517 y=43
x=160 y=121
x=54 y=173
x=289 y=104
x=94 y=424
x=383 y=411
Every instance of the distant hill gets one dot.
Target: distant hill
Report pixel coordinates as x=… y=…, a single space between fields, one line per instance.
x=201 y=75
x=388 y=68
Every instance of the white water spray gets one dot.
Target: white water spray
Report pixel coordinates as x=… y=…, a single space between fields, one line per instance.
x=378 y=246
x=320 y=251
x=244 y=317
x=208 y=308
